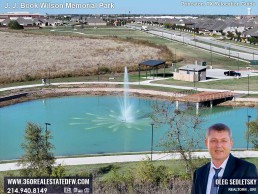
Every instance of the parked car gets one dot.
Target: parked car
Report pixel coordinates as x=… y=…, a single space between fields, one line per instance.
x=144 y=28
x=232 y=73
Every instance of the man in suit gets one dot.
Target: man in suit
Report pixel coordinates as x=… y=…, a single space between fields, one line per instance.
x=223 y=164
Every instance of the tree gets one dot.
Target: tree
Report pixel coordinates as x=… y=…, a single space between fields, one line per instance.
x=238 y=34
x=223 y=33
x=183 y=131
x=230 y=35
x=59 y=171
x=167 y=25
x=13 y=24
x=38 y=158
x=252 y=134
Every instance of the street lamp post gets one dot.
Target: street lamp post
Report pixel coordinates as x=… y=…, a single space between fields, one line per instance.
x=152 y=124
x=248 y=84
x=194 y=36
x=194 y=78
x=211 y=54
x=248 y=121
x=175 y=60
x=46 y=130
x=238 y=62
x=98 y=72
x=194 y=31
x=48 y=76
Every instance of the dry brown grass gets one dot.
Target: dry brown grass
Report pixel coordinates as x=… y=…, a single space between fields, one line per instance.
x=28 y=56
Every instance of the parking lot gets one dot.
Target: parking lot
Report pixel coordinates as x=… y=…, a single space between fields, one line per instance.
x=212 y=74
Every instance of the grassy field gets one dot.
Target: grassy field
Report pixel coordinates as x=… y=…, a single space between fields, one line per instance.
x=229 y=84
x=219 y=46
x=112 y=178
x=183 y=52
x=82 y=49
x=175 y=165
x=241 y=44
x=67 y=56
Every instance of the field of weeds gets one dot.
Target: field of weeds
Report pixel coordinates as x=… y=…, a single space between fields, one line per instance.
x=26 y=57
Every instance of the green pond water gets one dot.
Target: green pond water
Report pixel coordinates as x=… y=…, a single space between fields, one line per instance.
x=93 y=125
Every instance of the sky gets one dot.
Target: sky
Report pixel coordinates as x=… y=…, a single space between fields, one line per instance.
x=209 y=7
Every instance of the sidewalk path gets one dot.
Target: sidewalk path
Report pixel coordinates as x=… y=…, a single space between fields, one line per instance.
x=127 y=158
x=143 y=83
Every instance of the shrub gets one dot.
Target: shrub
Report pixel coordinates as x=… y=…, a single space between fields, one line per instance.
x=104 y=70
x=106 y=169
x=13 y=24
x=28 y=78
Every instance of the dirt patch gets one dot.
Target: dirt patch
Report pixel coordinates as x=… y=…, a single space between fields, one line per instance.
x=102 y=90
x=28 y=57
x=239 y=104
x=99 y=90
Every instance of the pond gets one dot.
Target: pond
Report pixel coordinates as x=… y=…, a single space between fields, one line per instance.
x=93 y=125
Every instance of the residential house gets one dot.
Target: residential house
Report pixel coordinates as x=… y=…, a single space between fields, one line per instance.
x=217 y=27
x=233 y=27
x=5 y=22
x=38 y=22
x=96 y=22
x=51 y=22
x=25 y=22
x=251 y=33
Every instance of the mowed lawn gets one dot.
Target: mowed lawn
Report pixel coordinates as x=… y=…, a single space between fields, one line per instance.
x=228 y=84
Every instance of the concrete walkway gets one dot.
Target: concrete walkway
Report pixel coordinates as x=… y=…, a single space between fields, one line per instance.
x=127 y=158
x=142 y=83
x=124 y=158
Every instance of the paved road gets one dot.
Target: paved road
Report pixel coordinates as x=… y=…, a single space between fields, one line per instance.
x=244 y=53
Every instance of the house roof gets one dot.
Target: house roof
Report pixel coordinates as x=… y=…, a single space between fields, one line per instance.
x=251 y=32
x=6 y=21
x=95 y=20
x=152 y=63
x=24 y=22
x=217 y=26
x=37 y=21
x=196 y=68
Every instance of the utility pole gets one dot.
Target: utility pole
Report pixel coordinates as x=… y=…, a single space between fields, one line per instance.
x=152 y=124
x=48 y=76
x=46 y=131
x=248 y=84
x=211 y=54
x=248 y=122
x=238 y=62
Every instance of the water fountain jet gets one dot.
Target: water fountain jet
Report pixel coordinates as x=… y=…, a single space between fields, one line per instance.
x=126 y=107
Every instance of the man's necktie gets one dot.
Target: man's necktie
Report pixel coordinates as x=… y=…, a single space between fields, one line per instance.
x=214 y=188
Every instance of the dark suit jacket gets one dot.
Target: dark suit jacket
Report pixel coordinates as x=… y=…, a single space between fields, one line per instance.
x=235 y=168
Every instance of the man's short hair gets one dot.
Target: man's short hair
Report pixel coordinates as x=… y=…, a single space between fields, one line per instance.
x=218 y=127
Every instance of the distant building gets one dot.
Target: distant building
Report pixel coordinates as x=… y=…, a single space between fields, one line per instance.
x=23 y=18
x=248 y=11
x=24 y=15
x=96 y=22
